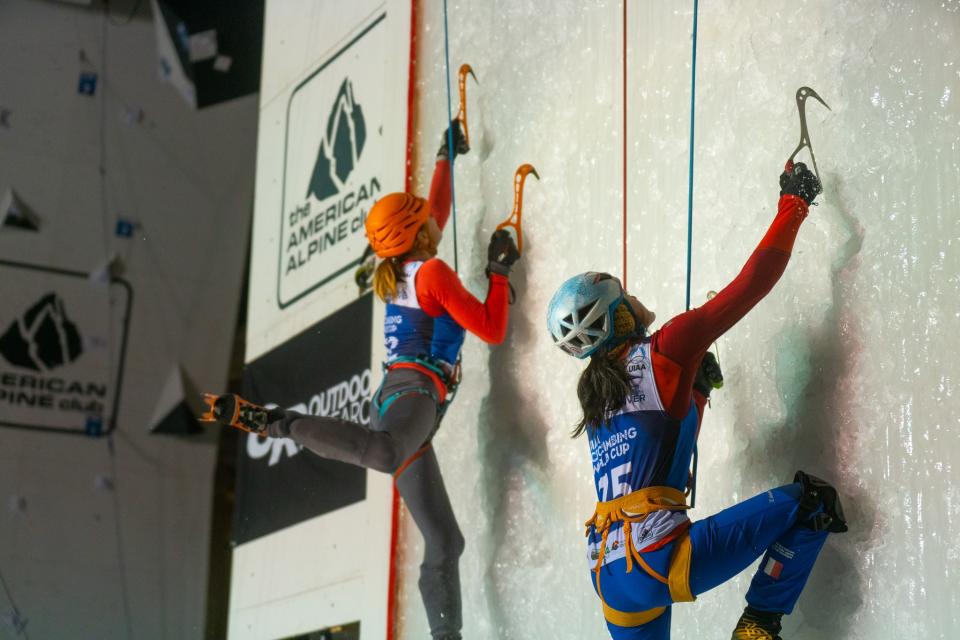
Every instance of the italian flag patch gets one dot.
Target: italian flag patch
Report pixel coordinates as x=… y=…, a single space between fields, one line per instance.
x=773 y=568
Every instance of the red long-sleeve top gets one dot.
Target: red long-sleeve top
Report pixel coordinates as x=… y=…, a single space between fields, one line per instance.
x=678 y=347
x=439 y=288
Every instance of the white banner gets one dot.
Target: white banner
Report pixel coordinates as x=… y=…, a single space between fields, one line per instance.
x=62 y=339
x=332 y=171
x=332 y=140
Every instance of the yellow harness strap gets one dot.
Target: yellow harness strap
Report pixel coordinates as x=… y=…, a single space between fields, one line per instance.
x=629 y=509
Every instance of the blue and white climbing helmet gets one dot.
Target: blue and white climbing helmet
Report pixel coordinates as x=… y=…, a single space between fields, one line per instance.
x=580 y=316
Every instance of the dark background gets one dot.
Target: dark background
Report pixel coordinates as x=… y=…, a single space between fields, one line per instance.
x=304 y=486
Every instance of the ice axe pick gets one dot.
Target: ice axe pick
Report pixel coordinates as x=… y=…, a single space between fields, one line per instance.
x=802 y=94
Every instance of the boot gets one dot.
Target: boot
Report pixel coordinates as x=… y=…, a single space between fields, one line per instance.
x=757 y=625
x=233 y=411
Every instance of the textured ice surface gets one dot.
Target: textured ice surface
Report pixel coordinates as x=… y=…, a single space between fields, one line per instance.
x=847 y=370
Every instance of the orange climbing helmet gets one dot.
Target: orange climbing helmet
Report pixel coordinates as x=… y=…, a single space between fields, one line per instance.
x=393 y=223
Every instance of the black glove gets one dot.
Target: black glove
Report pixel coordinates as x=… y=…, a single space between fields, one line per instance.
x=709 y=376
x=502 y=253
x=364 y=272
x=800 y=182
x=460 y=145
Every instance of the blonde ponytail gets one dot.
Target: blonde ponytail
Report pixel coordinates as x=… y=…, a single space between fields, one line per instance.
x=385 y=279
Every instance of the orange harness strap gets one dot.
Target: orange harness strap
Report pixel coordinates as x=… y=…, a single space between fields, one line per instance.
x=633 y=508
x=409 y=461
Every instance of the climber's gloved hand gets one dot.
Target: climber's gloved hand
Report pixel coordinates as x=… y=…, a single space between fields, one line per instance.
x=364 y=273
x=502 y=253
x=800 y=181
x=709 y=376
x=460 y=145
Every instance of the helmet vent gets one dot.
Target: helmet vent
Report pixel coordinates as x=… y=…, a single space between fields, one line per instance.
x=583 y=311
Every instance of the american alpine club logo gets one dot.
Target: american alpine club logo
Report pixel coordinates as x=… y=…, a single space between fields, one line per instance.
x=62 y=345
x=341 y=147
x=332 y=166
x=43 y=338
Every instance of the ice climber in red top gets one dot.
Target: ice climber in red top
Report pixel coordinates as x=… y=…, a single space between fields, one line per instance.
x=643 y=399
x=427 y=316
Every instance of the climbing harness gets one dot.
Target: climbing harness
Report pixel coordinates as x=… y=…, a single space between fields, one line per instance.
x=802 y=94
x=465 y=69
x=439 y=372
x=515 y=219
x=632 y=509
x=446 y=376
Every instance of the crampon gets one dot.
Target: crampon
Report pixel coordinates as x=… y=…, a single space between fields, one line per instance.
x=233 y=411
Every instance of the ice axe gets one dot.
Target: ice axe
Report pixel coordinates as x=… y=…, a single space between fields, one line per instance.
x=802 y=94
x=515 y=219
x=462 y=113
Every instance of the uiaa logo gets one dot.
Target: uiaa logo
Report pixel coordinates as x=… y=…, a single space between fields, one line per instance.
x=43 y=338
x=340 y=147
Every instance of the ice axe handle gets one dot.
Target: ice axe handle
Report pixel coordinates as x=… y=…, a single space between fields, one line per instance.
x=516 y=216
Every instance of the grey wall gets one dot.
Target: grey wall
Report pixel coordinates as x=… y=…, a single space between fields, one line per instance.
x=83 y=562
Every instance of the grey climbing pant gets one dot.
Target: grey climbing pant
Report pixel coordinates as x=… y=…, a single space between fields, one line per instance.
x=392 y=438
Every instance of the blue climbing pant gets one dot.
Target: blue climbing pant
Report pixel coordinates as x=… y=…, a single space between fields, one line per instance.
x=724 y=544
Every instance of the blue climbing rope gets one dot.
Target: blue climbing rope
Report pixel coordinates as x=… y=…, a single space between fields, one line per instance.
x=693 y=102
x=450 y=149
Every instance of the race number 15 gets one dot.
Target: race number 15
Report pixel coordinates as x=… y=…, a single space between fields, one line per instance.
x=618 y=480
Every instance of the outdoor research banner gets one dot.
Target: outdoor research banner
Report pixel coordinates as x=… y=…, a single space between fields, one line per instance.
x=323 y=371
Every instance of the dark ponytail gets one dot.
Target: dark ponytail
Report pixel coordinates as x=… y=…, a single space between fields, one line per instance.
x=602 y=390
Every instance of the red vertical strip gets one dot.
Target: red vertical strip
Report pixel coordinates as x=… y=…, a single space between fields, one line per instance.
x=408 y=186
x=411 y=82
x=625 y=144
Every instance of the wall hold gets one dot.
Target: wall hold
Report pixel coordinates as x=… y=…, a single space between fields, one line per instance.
x=16 y=214
x=177 y=407
x=93 y=426
x=5 y=117
x=18 y=505
x=222 y=63
x=131 y=115
x=15 y=621
x=87 y=85
x=203 y=45
x=103 y=483
x=107 y=270
x=125 y=228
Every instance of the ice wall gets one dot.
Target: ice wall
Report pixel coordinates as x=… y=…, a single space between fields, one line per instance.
x=846 y=370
